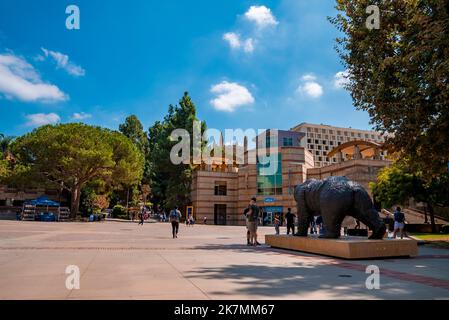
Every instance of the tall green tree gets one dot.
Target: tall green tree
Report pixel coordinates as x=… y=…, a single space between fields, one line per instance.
x=133 y=129
x=71 y=155
x=170 y=183
x=397 y=184
x=399 y=73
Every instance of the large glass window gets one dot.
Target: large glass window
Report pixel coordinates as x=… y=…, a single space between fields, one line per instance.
x=269 y=175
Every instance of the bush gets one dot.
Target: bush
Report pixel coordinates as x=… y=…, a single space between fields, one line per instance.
x=119 y=212
x=445 y=229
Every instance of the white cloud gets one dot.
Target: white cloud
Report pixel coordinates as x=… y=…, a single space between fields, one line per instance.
x=41 y=119
x=341 y=79
x=308 y=77
x=233 y=39
x=19 y=80
x=261 y=16
x=310 y=87
x=63 y=62
x=230 y=96
x=235 y=42
x=81 y=116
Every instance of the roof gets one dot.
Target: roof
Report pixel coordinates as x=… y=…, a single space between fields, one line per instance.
x=367 y=148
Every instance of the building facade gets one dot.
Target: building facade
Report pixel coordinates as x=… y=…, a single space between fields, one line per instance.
x=221 y=192
x=320 y=139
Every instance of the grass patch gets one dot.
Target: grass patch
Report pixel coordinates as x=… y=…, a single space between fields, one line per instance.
x=431 y=236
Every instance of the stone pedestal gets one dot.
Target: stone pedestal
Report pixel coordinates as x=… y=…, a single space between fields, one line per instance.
x=346 y=247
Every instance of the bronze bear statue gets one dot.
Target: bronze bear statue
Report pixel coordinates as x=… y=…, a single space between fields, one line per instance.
x=335 y=198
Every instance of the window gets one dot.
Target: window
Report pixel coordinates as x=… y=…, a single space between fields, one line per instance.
x=221 y=188
x=287 y=142
x=269 y=175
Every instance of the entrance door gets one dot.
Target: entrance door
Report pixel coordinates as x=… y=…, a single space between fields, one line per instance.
x=269 y=214
x=220 y=214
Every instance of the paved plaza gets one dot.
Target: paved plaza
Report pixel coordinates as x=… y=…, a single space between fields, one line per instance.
x=121 y=260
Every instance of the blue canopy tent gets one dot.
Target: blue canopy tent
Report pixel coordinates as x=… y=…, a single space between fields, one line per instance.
x=44 y=201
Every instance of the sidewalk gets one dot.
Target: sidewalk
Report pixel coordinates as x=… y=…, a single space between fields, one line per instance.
x=127 y=261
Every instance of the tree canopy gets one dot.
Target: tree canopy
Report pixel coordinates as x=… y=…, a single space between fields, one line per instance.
x=71 y=155
x=170 y=183
x=397 y=184
x=399 y=73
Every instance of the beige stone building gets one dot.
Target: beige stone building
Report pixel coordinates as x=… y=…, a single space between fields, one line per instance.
x=320 y=139
x=220 y=192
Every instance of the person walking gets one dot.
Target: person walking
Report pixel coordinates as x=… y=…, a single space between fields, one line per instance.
x=290 y=217
x=399 y=223
x=248 y=234
x=253 y=217
x=175 y=218
x=319 y=223
x=312 y=225
x=189 y=220
x=277 y=222
x=142 y=216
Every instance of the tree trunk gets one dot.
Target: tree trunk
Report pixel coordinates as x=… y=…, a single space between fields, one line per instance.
x=75 y=201
x=432 y=217
x=426 y=220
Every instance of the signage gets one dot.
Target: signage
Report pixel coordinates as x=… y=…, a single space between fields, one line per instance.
x=270 y=200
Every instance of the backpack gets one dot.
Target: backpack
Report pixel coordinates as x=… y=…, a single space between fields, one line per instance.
x=173 y=215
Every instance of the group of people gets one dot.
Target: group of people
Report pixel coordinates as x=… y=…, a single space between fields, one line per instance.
x=253 y=213
x=289 y=218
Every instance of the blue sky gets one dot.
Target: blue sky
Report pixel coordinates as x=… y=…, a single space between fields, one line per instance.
x=246 y=64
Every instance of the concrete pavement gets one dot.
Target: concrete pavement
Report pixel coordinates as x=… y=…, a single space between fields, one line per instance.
x=127 y=261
